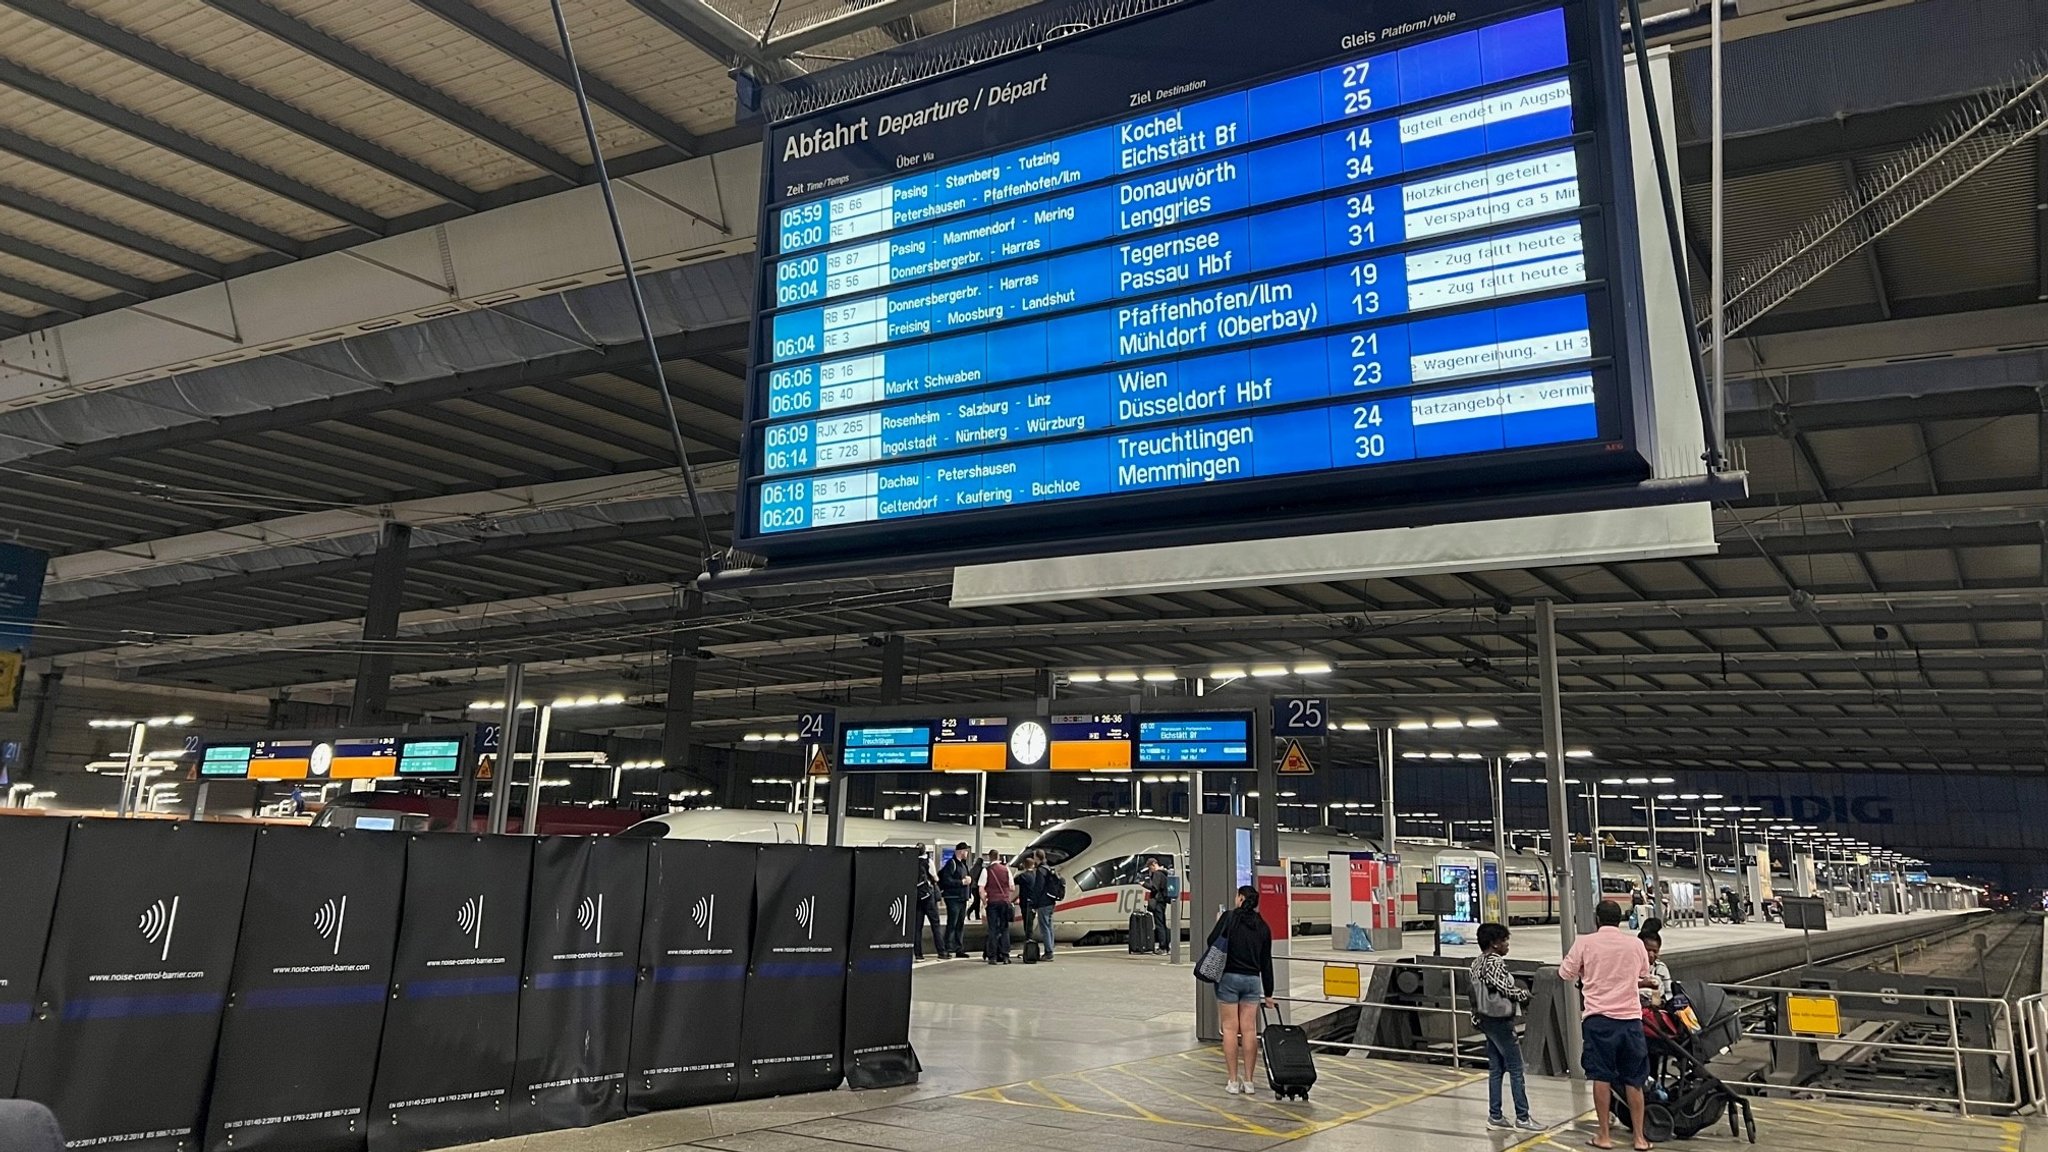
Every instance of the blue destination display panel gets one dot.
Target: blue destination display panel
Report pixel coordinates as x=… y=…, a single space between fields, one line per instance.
x=1363 y=262
x=903 y=746
x=1211 y=741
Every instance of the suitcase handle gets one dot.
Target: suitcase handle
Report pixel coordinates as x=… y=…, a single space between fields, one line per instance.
x=1278 y=1016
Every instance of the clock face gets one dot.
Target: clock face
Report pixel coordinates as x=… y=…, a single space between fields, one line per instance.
x=1027 y=742
x=321 y=760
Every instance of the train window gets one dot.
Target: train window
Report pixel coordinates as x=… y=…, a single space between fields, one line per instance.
x=1309 y=874
x=1115 y=873
x=1525 y=882
x=647 y=830
x=1616 y=884
x=1104 y=874
x=1062 y=845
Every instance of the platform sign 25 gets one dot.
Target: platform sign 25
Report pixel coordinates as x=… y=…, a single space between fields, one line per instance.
x=1297 y=716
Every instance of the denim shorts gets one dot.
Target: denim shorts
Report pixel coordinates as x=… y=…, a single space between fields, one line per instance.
x=1240 y=988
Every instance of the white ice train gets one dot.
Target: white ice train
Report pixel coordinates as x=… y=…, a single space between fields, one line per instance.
x=1103 y=856
x=763 y=827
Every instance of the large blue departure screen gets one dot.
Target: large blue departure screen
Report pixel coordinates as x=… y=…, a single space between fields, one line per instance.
x=1137 y=280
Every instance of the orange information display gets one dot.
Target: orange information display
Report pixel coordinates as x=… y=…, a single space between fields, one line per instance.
x=334 y=757
x=1098 y=742
x=971 y=744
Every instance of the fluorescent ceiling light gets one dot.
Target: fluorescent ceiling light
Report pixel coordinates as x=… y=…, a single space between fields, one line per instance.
x=1313 y=668
x=1084 y=677
x=1269 y=670
x=1159 y=677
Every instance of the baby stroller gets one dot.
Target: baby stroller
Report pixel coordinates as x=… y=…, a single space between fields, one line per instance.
x=1683 y=1098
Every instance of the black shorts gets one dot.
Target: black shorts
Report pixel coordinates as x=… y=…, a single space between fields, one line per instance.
x=1614 y=1051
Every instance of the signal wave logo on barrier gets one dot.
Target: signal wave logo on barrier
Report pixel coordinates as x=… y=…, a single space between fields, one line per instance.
x=704 y=913
x=158 y=923
x=328 y=920
x=590 y=914
x=807 y=915
x=470 y=918
x=899 y=914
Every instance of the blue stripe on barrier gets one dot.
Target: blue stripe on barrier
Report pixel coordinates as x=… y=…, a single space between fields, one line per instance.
x=312 y=997
x=583 y=978
x=796 y=970
x=699 y=973
x=15 y=1013
x=120 y=1007
x=465 y=986
x=883 y=965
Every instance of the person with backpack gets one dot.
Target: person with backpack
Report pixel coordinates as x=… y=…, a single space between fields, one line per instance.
x=1246 y=983
x=1052 y=890
x=999 y=898
x=1030 y=884
x=956 y=880
x=928 y=909
x=1496 y=1000
x=1156 y=882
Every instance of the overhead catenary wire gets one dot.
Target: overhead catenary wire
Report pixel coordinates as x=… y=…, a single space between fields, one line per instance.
x=611 y=209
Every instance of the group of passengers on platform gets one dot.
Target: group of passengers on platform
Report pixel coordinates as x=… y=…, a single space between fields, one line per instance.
x=987 y=887
x=1618 y=976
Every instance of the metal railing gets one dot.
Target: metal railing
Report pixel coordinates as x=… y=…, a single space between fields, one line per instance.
x=1460 y=1017
x=2017 y=1048
x=2031 y=1014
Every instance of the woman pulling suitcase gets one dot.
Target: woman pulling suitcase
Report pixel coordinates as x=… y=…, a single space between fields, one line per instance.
x=1244 y=981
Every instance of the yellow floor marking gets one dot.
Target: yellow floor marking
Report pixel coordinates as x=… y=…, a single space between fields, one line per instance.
x=1371 y=1099
x=1249 y=1124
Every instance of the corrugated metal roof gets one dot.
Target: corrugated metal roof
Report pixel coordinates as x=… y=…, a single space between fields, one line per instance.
x=227 y=46
x=93 y=200
x=428 y=48
x=1994 y=209
x=100 y=144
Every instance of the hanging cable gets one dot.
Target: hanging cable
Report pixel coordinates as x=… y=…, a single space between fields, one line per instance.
x=1716 y=455
x=611 y=208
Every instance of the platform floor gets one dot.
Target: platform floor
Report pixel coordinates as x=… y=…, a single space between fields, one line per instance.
x=1092 y=1054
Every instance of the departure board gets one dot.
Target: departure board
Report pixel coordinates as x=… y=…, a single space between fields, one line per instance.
x=1198 y=270
x=1203 y=740
x=892 y=746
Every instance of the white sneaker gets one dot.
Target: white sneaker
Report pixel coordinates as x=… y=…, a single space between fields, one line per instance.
x=1233 y=1088
x=1532 y=1125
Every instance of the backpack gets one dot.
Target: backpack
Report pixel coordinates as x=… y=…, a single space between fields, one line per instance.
x=1055 y=886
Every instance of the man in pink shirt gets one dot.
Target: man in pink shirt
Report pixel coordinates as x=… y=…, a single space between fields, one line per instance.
x=1610 y=965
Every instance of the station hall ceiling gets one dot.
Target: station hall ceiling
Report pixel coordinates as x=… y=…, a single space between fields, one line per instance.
x=1878 y=600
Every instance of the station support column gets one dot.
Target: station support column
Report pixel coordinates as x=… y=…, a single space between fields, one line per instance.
x=1553 y=749
x=1497 y=770
x=380 y=625
x=1387 y=821
x=679 y=709
x=1269 y=783
x=508 y=751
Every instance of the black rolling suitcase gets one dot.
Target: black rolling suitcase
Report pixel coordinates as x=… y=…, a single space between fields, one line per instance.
x=1290 y=1066
x=1143 y=936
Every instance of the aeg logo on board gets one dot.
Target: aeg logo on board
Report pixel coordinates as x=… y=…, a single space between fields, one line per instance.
x=159 y=923
x=590 y=915
x=328 y=920
x=807 y=916
x=470 y=918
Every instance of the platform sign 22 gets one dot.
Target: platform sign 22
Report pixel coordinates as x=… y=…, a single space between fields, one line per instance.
x=1298 y=716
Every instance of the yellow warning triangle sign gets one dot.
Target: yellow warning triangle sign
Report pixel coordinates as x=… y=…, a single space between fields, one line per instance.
x=1294 y=762
x=819 y=765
